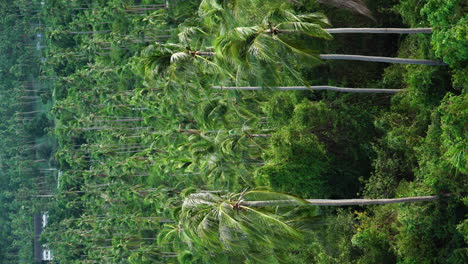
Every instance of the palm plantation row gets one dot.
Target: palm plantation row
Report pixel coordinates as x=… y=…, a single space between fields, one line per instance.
x=238 y=47
x=150 y=154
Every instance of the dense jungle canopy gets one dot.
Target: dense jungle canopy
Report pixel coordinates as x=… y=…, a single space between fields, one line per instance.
x=188 y=131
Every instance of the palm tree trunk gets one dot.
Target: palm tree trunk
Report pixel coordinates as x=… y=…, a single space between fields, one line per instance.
x=316 y=88
x=43 y=195
x=204 y=53
x=379 y=30
x=379 y=59
x=340 y=202
x=357 y=58
x=259 y=135
x=89 y=32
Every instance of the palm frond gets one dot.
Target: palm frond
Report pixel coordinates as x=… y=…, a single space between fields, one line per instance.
x=259 y=195
x=198 y=199
x=188 y=33
x=155 y=60
x=280 y=14
x=180 y=57
x=296 y=48
x=317 y=18
x=261 y=47
x=311 y=29
x=244 y=33
x=210 y=67
x=234 y=232
x=209 y=7
x=218 y=13
x=266 y=222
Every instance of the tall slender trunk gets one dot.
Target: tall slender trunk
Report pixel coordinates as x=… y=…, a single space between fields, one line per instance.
x=364 y=30
x=316 y=88
x=259 y=135
x=379 y=59
x=204 y=53
x=88 y=32
x=379 y=30
x=31 y=112
x=357 y=58
x=44 y=196
x=340 y=202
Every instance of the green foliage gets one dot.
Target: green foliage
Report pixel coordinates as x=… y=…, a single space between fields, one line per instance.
x=449 y=20
x=139 y=128
x=337 y=138
x=374 y=236
x=38 y=125
x=331 y=240
x=426 y=227
x=441 y=155
x=454 y=132
x=224 y=230
x=422 y=148
x=297 y=164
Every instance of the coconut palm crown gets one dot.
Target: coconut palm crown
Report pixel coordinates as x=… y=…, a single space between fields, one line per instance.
x=261 y=42
x=209 y=221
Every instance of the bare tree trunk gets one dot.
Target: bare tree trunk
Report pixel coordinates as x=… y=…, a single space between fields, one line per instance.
x=89 y=32
x=379 y=59
x=259 y=135
x=379 y=30
x=43 y=196
x=204 y=53
x=32 y=112
x=340 y=202
x=316 y=88
x=351 y=57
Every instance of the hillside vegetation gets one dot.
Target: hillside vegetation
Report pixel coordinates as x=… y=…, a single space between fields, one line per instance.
x=115 y=112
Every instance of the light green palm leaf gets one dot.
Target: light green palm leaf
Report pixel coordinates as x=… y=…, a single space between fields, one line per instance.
x=213 y=223
x=280 y=14
x=188 y=33
x=179 y=57
x=307 y=28
x=317 y=18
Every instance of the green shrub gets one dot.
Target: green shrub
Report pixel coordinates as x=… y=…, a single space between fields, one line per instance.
x=374 y=236
x=449 y=20
x=330 y=243
x=280 y=108
x=410 y=12
x=454 y=131
x=298 y=161
x=427 y=232
x=38 y=125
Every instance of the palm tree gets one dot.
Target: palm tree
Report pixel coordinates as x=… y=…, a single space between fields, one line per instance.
x=258 y=41
x=240 y=46
x=266 y=198
x=215 y=13
x=243 y=44
x=242 y=223
x=160 y=58
x=211 y=225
